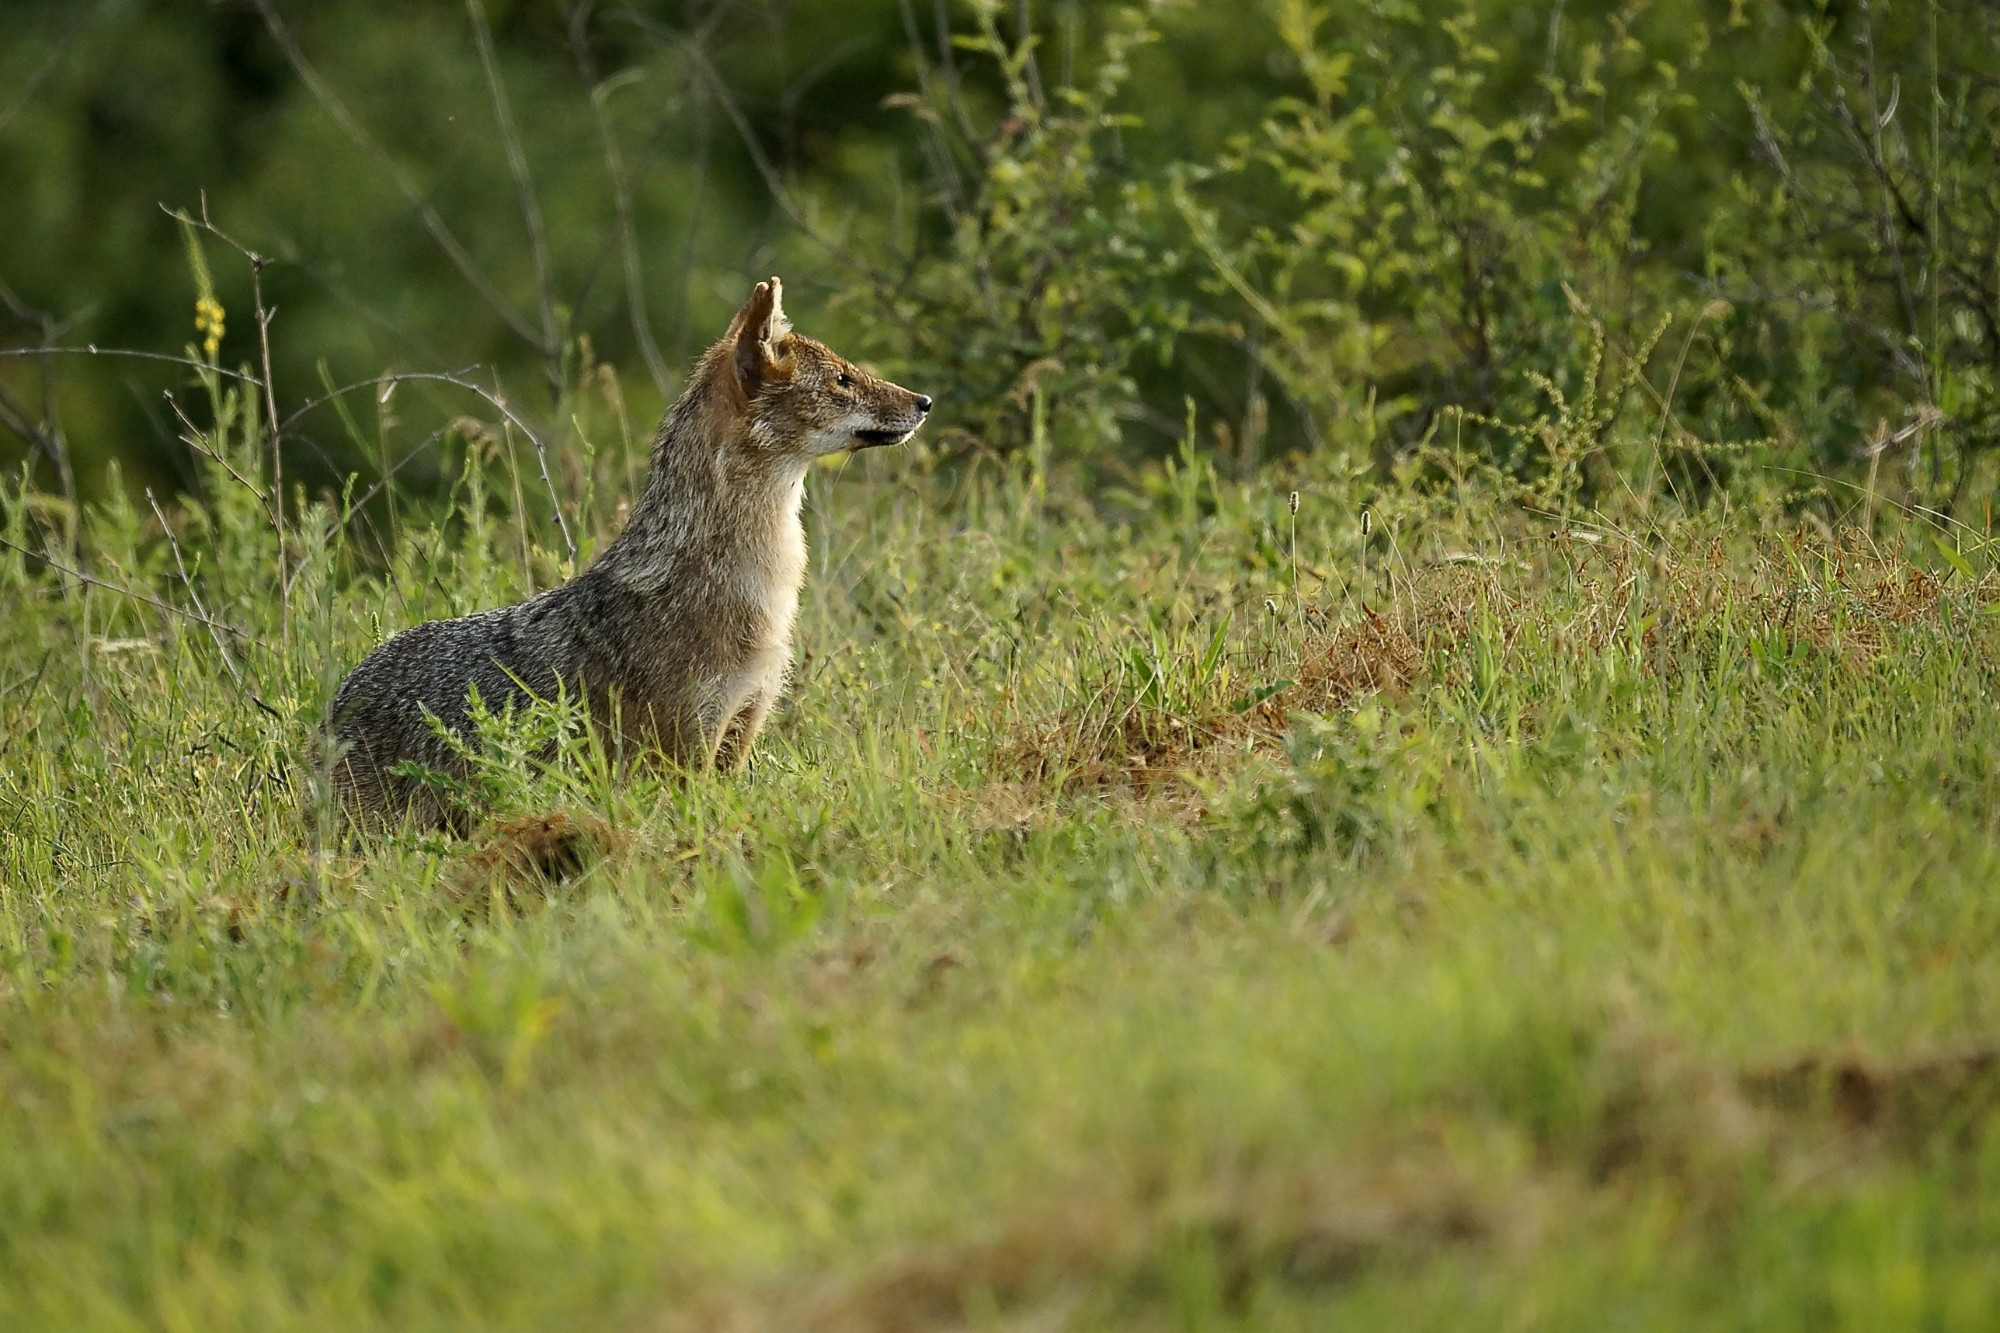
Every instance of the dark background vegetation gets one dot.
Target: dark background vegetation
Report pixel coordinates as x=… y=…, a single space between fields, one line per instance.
x=1734 y=241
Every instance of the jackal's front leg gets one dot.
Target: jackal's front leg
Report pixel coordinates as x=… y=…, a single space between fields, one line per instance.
x=732 y=747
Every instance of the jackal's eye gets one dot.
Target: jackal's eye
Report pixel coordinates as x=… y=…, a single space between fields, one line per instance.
x=844 y=380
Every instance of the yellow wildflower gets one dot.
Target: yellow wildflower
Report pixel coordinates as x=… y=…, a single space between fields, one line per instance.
x=208 y=322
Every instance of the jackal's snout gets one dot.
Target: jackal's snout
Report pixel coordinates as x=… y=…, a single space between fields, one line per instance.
x=900 y=421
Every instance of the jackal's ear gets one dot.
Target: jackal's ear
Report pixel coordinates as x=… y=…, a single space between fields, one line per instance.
x=758 y=333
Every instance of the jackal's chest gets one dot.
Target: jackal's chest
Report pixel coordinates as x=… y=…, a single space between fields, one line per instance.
x=763 y=594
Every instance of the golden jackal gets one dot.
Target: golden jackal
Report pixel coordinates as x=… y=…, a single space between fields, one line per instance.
x=679 y=635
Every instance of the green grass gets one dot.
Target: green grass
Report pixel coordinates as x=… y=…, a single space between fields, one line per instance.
x=1146 y=914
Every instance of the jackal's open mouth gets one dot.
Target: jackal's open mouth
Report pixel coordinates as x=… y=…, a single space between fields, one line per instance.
x=872 y=438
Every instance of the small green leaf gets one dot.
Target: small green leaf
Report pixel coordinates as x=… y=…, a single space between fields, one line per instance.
x=1260 y=694
x=1952 y=556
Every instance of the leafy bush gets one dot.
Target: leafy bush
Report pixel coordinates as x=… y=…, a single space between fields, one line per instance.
x=1051 y=277
x=1607 y=250
x=1883 y=257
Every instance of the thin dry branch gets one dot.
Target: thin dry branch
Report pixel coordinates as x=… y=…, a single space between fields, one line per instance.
x=221 y=646
x=524 y=196
x=360 y=502
x=275 y=507
x=337 y=111
x=94 y=350
x=95 y=582
x=577 y=26
x=455 y=378
x=193 y=440
x=492 y=399
x=46 y=431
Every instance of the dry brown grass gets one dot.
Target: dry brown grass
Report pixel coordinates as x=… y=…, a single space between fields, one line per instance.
x=1665 y=1115
x=1114 y=740
x=531 y=854
x=1322 y=1225
x=1682 y=609
x=1908 y=1103
x=1843 y=597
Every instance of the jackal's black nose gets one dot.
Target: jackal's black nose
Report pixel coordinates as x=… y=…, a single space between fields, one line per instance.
x=924 y=403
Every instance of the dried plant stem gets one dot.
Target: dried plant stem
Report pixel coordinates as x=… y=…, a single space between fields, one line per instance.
x=93 y=350
x=1298 y=590
x=44 y=431
x=96 y=582
x=277 y=435
x=555 y=499
x=221 y=645
x=273 y=428
x=337 y=111
x=492 y=398
x=193 y=439
x=600 y=91
x=524 y=196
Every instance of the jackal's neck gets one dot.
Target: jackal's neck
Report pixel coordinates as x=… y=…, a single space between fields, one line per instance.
x=710 y=515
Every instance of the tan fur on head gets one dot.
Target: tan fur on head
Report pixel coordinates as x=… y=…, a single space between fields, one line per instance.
x=758 y=336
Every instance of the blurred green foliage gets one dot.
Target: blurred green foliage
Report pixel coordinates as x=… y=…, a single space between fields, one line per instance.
x=1765 y=236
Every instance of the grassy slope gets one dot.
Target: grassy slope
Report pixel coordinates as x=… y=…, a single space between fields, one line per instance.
x=1093 y=947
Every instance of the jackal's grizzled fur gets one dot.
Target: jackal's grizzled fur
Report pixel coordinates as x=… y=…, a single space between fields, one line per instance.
x=679 y=635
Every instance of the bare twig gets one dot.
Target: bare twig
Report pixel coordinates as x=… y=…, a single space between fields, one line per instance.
x=17 y=418
x=454 y=378
x=228 y=658
x=360 y=502
x=524 y=196
x=496 y=401
x=264 y=314
x=621 y=190
x=337 y=111
x=45 y=432
x=276 y=505
x=193 y=440
x=94 y=350
x=136 y=596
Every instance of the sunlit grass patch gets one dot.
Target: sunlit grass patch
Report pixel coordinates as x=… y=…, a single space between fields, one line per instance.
x=1137 y=921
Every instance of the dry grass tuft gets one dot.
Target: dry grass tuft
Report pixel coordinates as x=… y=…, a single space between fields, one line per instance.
x=1666 y=1110
x=1143 y=726
x=1910 y=1103
x=1371 y=655
x=1836 y=597
x=532 y=854
x=1127 y=731
x=1323 y=1225
x=1129 y=749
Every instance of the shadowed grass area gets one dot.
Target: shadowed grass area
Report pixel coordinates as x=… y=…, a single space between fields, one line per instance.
x=1145 y=915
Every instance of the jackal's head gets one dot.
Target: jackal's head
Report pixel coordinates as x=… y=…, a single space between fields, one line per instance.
x=800 y=398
